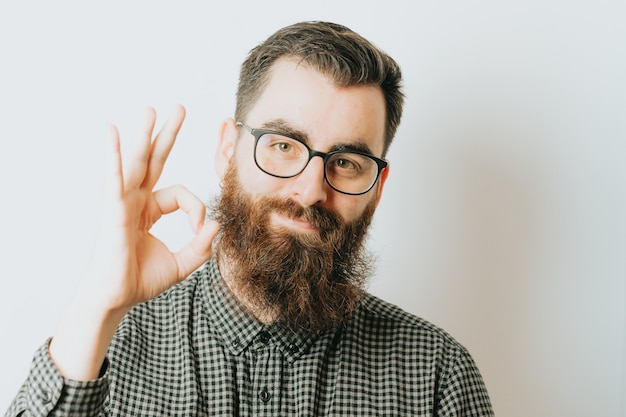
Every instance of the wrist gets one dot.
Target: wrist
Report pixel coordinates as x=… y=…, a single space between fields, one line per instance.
x=84 y=332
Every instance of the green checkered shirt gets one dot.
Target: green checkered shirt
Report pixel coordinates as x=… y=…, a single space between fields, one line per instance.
x=194 y=352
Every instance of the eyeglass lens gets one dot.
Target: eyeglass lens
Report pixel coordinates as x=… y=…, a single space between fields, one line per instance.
x=283 y=156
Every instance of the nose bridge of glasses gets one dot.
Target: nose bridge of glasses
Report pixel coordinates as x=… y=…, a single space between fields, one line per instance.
x=310 y=182
x=313 y=154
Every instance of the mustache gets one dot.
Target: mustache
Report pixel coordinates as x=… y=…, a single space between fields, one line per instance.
x=316 y=215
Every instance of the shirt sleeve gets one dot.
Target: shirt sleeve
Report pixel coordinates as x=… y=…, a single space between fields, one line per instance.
x=462 y=392
x=47 y=393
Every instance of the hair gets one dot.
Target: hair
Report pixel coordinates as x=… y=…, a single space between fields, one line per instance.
x=335 y=51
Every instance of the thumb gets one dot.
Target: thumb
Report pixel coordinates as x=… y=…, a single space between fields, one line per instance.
x=198 y=250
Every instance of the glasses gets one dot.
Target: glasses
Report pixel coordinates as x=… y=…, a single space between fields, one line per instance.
x=281 y=156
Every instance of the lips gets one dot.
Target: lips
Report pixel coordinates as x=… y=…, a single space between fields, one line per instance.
x=312 y=218
x=297 y=223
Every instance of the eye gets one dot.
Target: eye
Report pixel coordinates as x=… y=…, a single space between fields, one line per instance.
x=347 y=161
x=347 y=165
x=283 y=147
x=344 y=163
x=278 y=146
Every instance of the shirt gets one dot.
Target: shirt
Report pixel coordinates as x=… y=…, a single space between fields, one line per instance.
x=193 y=351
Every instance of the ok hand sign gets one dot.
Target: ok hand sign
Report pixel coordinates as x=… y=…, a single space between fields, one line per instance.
x=129 y=264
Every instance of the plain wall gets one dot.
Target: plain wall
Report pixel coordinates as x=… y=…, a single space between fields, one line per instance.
x=503 y=219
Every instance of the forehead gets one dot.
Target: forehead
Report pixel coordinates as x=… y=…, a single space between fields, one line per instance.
x=309 y=102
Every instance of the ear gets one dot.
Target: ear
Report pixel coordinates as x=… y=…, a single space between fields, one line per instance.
x=227 y=139
x=381 y=184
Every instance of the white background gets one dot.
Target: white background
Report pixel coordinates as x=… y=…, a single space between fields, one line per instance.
x=503 y=220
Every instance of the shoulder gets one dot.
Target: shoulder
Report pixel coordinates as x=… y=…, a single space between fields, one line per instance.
x=398 y=346
x=375 y=312
x=385 y=325
x=386 y=341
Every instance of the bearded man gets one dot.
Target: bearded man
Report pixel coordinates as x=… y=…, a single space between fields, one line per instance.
x=275 y=319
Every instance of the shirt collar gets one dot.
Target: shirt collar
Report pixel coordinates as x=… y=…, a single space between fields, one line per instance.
x=238 y=329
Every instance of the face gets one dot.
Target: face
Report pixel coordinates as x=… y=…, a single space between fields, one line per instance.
x=299 y=256
x=305 y=104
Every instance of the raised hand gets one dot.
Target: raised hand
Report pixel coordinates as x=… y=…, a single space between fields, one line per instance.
x=129 y=264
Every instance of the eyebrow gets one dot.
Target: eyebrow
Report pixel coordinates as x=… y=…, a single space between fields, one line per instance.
x=281 y=126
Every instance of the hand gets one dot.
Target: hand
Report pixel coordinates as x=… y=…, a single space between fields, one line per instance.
x=129 y=265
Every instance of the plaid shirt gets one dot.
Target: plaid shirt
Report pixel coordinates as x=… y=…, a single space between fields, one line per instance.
x=194 y=351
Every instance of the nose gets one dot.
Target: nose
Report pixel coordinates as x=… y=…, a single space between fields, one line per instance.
x=309 y=187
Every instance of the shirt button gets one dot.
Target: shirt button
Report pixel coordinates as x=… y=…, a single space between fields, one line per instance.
x=236 y=343
x=264 y=396
x=293 y=348
x=264 y=337
x=45 y=396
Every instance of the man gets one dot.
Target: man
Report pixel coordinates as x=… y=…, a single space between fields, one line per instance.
x=263 y=312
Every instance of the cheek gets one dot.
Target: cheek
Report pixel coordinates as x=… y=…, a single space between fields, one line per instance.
x=254 y=181
x=350 y=208
x=251 y=179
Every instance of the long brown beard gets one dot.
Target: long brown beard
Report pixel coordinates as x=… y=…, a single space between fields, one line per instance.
x=310 y=281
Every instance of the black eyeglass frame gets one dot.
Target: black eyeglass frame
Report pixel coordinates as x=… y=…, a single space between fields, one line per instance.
x=257 y=133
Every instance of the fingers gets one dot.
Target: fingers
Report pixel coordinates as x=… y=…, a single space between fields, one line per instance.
x=135 y=165
x=162 y=146
x=114 y=180
x=146 y=158
x=177 y=197
x=199 y=249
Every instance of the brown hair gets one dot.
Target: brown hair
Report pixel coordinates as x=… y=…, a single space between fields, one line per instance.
x=334 y=50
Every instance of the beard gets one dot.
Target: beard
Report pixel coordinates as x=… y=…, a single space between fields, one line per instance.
x=308 y=281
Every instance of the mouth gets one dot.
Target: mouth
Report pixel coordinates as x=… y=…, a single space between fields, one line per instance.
x=297 y=224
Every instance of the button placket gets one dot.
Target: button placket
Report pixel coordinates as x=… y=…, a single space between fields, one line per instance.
x=267 y=379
